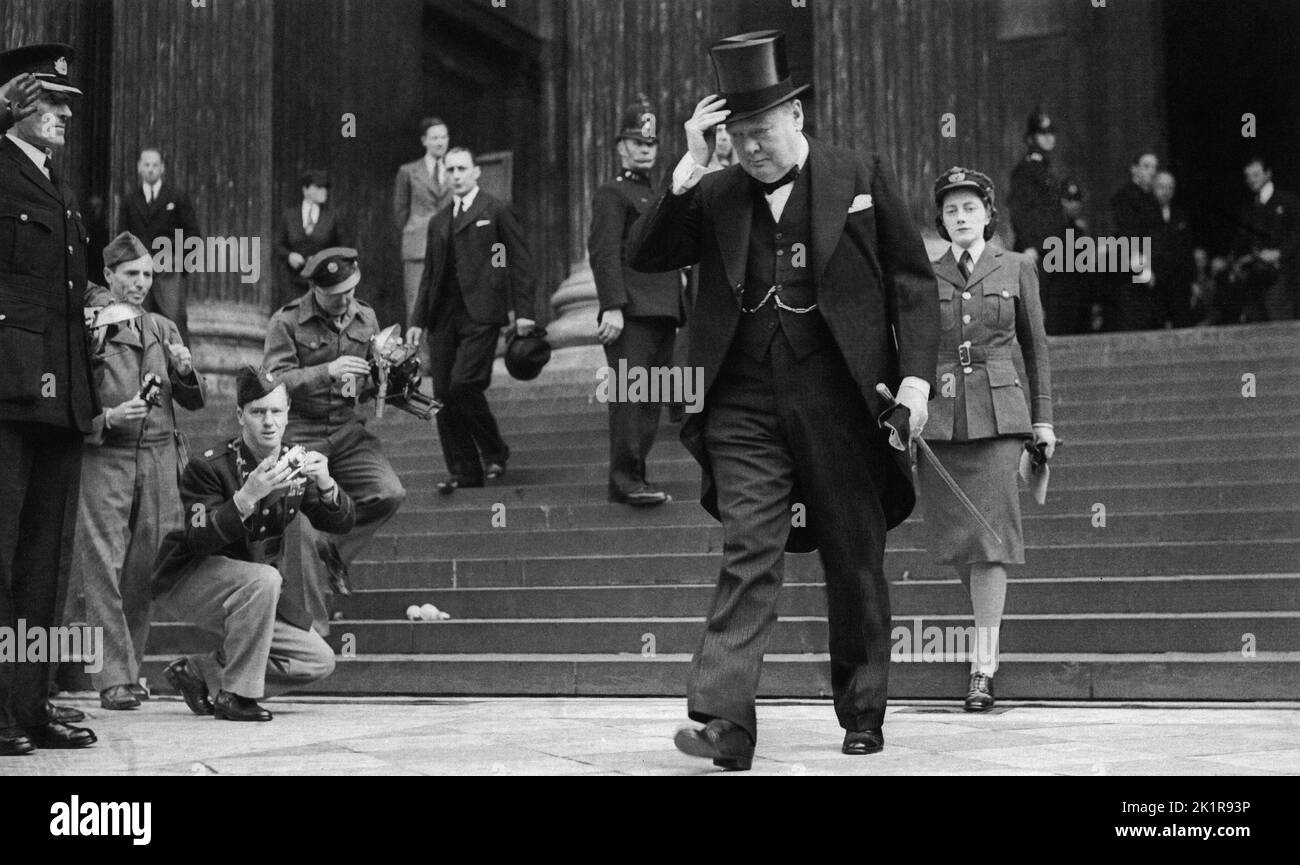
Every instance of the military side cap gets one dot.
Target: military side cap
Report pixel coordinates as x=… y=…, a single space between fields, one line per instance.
x=46 y=61
x=1071 y=191
x=962 y=178
x=253 y=384
x=334 y=270
x=640 y=124
x=526 y=356
x=123 y=248
x=1038 y=123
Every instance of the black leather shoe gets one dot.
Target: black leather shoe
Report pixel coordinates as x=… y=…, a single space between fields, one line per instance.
x=494 y=471
x=232 y=707
x=979 y=698
x=14 y=742
x=643 y=497
x=450 y=485
x=61 y=736
x=65 y=714
x=858 y=742
x=140 y=691
x=725 y=743
x=335 y=567
x=118 y=697
x=190 y=685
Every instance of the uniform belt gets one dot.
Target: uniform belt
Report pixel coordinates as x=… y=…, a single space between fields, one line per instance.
x=968 y=354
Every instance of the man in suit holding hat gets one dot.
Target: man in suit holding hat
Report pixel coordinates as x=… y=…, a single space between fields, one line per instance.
x=319 y=345
x=477 y=268
x=130 y=469
x=1035 y=192
x=419 y=192
x=221 y=570
x=639 y=312
x=814 y=288
x=307 y=228
x=47 y=393
x=159 y=208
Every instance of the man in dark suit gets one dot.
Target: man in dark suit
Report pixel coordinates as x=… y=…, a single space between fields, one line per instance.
x=47 y=392
x=639 y=312
x=305 y=229
x=1129 y=305
x=158 y=208
x=477 y=267
x=1266 y=250
x=814 y=288
x=1173 y=263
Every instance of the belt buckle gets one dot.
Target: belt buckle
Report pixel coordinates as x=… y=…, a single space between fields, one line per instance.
x=963 y=353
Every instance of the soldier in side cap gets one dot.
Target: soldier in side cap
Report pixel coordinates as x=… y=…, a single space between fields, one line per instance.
x=639 y=312
x=130 y=469
x=1035 y=189
x=319 y=344
x=47 y=394
x=221 y=570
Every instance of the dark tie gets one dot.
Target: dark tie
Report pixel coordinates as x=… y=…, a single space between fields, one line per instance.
x=769 y=188
x=967 y=265
x=49 y=168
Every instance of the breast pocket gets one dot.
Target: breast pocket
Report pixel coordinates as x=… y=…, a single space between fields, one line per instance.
x=22 y=350
x=1000 y=306
x=1010 y=408
x=311 y=349
x=27 y=242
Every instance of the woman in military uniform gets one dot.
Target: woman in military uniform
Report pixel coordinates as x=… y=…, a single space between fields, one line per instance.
x=992 y=345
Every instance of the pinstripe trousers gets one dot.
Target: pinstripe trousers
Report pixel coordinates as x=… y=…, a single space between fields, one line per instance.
x=781 y=432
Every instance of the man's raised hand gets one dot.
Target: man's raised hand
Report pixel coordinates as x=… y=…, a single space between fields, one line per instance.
x=708 y=114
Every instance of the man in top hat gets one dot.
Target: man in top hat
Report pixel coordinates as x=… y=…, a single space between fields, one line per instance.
x=221 y=570
x=639 y=312
x=319 y=345
x=129 y=472
x=814 y=288
x=156 y=208
x=419 y=192
x=476 y=269
x=307 y=228
x=1034 y=197
x=47 y=394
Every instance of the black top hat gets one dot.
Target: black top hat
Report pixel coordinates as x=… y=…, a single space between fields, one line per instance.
x=47 y=61
x=752 y=73
x=639 y=124
x=527 y=355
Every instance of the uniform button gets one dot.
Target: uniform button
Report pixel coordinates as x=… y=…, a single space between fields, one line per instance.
x=69 y=212
x=266 y=512
x=23 y=217
x=69 y=250
x=1006 y=293
x=779 y=235
x=69 y=285
x=291 y=510
x=2 y=316
x=965 y=319
x=965 y=295
x=780 y=252
x=968 y=370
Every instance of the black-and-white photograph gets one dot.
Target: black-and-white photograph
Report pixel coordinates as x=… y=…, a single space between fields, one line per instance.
x=651 y=387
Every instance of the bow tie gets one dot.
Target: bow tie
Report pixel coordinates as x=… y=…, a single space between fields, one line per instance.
x=769 y=188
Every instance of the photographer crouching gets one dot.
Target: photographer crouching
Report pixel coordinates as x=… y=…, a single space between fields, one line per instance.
x=220 y=571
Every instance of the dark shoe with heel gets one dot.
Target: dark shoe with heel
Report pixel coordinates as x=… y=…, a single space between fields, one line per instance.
x=118 y=698
x=979 y=697
x=189 y=685
x=56 y=736
x=14 y=742
x=725 y=743
x=65 y=714
x=860 y=742
x=232 y=707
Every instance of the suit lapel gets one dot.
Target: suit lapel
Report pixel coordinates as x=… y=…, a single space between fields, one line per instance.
x=946 y=269
x=736 y=202
x=29 y=169
x=990 y=261
x=832 y=193
x=469 y=216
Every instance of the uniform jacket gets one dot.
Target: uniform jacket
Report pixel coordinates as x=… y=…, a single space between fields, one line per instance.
x=45 y=374
x=1000 y=314
x=213 y=526
x=119 y=370
x=169 y=211
x=489 y=290
x=331 y=229
x=1035 y=201
x=301 y=342
x=874 y=285
x=417 y=196
x=614 y=210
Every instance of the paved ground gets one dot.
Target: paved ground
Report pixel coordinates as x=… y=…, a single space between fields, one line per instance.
x=633 y=737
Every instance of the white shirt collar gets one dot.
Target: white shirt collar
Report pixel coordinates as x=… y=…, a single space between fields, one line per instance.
x=34 y=153
x=468 y=201
x=976 y=249
x=1266 y=192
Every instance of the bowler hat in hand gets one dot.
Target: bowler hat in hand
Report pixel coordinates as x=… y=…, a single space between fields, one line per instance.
x=527 y=355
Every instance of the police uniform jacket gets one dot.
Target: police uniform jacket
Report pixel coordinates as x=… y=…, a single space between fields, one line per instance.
x=1035 y=201
x=300 y=344
x=614 y=210
x=1001 y=383
x=45 y=374
x=213 y=526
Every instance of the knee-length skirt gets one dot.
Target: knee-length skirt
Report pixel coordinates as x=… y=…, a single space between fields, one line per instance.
x=986 y=471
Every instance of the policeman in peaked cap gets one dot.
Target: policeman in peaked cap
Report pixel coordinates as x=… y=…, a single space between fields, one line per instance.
x=639 y=312
x=47 y=393
x=319 y=345
x=1034 y=199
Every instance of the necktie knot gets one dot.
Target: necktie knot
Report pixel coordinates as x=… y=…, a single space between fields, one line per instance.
x=787 y=178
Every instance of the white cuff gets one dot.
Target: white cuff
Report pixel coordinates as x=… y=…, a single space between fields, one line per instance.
x=1042 y=426
x=916 y=383
x=687 y=173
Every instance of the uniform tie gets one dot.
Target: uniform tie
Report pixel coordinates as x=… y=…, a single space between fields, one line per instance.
x=967 y=264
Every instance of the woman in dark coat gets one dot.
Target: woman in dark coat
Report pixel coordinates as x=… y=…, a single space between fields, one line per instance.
x=994 y=392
